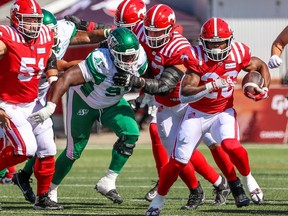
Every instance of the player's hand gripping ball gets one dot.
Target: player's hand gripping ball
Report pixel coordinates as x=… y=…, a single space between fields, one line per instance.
x=252 y=82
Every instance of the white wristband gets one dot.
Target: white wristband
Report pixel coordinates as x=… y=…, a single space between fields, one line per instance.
x=106 y=32
x=52 y=79
x=50 y=106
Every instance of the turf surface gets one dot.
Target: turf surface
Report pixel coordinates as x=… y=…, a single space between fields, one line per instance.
x=269 y=165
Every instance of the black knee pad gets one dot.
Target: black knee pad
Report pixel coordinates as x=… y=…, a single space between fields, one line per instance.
x=123 y=147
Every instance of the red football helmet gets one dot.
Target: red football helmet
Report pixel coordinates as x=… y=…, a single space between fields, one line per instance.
x=26 y=16
x=216 y=30
x=158 y=23
x=129 y=13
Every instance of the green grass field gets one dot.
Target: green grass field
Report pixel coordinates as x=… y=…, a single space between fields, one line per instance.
x=269 y=165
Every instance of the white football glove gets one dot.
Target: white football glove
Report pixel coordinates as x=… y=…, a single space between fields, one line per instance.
x=221 y=82
x=274 y=61
x=44 y=113
x=150 y=101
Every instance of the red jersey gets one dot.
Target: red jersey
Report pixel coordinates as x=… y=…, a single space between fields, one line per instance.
x=22 y=65
x=196 y=60
x=163 y=57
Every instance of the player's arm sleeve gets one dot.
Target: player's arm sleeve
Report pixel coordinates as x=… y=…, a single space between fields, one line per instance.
x=165 y=84
x=190 y=90
x=193 y=98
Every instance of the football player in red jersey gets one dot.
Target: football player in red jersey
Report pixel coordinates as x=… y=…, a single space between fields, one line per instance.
x=208 y=88
x=164 y=46
x=25 y=54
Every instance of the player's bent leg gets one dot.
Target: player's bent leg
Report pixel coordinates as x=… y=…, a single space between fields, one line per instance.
x=253 y=188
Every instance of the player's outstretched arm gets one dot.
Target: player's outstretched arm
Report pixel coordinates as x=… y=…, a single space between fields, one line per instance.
x=90 y=37
x=63 y=65
x=73 y=76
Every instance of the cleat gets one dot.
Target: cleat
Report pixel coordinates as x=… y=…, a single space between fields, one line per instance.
x=151 y=194
x=257 y=196
x=195 y=199
x=238 y=193
x=221 y=192
x=45 y=203
x=155 y=206
x=112 y=195
x=152 y=212
x=7 y=178
x=107 y=189
x=255 y=192
x=24 y=186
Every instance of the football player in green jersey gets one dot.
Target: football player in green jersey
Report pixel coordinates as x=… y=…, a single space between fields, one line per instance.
x=93 y=96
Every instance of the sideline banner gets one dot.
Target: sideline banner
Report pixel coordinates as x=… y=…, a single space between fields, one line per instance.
x=263 y=121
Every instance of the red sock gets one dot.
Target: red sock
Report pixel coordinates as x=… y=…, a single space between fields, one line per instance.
x=202 y=167
x=188 y=176
x=159 y=152
x=169 y=174
x=44 y=169
x=224 y=163
x=238 y=155
x=8 y=159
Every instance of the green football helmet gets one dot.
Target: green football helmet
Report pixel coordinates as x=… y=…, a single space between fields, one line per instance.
x=50 y=20
x=124 y=47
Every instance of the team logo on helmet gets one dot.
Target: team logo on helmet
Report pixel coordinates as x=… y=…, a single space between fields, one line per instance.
x=15 y=7
x=112 y=43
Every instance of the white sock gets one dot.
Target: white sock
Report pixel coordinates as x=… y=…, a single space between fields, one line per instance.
x=111 y=175
x=158 y=202
x=53 y=187
x=218 y=181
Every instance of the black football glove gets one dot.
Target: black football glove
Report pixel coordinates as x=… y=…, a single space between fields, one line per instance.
x=80 y=24
x=83 y=25
x=126 y=79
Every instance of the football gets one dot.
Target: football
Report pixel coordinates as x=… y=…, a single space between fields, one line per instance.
x=251 y=81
